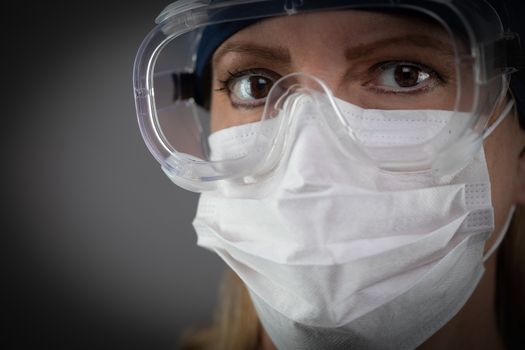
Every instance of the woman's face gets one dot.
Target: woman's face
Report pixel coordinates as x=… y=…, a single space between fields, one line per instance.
x=374 y=60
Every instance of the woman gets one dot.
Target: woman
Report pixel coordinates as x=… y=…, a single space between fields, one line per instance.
x=359 y=163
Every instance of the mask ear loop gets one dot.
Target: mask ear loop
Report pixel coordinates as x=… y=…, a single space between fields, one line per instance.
x=501 y=235
x=502 y=116
x=486 y=133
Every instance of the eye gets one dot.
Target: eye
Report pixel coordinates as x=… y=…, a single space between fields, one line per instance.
x=399 y=77
x=253 y=87
x=249 y=89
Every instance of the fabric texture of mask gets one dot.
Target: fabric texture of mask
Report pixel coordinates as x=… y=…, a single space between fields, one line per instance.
x=338 y=256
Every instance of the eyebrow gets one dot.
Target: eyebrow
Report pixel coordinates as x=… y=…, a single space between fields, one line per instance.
x=281 y=55
x=278 y=54
x=422 y=41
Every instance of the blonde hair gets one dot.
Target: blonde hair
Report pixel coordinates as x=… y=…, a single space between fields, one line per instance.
x=235 y=324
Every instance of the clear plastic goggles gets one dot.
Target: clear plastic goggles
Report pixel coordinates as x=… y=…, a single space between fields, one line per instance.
x=401 y=87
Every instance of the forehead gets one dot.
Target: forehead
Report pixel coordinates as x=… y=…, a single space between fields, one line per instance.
x=332 y=26
x=337 y=35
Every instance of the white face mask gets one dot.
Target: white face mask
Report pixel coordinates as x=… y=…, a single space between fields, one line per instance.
x=341 y=256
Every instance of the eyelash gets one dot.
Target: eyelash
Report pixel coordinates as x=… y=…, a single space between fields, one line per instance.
x=375 y=71
x=381 y=67
x=225 y=85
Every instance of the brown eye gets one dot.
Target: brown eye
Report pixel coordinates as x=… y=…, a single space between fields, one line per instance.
x=259 y=87
x=404 y=77
x=408 y=76
x=250 y=87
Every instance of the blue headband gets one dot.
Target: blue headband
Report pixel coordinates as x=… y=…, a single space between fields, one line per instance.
x=212 y=37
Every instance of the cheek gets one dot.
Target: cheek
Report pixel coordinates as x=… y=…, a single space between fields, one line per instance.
x=440 y=99
x=224 y=115
x=218 y=109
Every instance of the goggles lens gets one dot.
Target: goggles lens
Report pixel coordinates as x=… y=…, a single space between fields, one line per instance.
x=396 y=88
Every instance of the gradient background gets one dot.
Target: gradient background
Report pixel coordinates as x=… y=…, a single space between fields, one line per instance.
x=100 y=251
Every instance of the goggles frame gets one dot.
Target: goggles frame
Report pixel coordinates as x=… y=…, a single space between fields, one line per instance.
x=474 y=20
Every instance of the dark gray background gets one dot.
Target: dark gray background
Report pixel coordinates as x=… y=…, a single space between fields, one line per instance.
x=100 y=249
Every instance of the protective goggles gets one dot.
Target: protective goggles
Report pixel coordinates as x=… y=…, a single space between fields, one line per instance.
x=402 y=86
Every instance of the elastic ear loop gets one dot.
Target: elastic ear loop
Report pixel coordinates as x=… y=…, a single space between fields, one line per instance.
x=486 y=133
x=503 y=115
x=501 y=234
x=503 y=231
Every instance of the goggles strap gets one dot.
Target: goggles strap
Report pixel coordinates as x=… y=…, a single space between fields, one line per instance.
x=183 y=85
x=507 y=53
x=515 y=52
x=501 y=235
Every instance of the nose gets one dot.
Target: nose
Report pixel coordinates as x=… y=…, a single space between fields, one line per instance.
x=330 y=77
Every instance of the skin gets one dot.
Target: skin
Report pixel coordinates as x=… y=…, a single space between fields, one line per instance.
x=474 y=327
x=332 y=47
x=353 y=43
